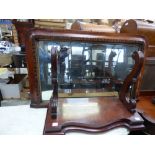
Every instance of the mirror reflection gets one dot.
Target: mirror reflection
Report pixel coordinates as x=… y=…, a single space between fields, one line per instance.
x=85 y=69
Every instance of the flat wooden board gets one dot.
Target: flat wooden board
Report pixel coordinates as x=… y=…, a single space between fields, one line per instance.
x=97 y=114
x=146 y=107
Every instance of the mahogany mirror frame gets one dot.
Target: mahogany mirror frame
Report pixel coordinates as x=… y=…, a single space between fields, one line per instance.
x=36 y=34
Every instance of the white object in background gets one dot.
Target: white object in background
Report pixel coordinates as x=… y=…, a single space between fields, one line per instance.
x=68 y=25
x=5 y=46
x=5 y=73
x=23 y=71
x=17 y=48
x=46 y=95
x=22 y=120
x=9 y=47
x=12 y=91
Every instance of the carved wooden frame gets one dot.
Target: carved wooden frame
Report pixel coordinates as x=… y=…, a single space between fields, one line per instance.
x=36 y=34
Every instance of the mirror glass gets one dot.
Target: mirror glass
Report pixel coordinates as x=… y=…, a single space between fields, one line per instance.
x=85 y=69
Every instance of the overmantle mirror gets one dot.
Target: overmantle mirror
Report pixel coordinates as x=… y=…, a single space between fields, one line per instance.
x=84 y=69
x=88 y=63
x=88 y=80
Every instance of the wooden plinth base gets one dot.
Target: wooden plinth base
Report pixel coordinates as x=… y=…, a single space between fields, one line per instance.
x=91 y=115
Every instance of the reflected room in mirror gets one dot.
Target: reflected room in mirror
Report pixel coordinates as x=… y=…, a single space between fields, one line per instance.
x=89 y=81
x=85 y=69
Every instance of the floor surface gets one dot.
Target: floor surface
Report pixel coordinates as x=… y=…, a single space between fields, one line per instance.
x=17 y=118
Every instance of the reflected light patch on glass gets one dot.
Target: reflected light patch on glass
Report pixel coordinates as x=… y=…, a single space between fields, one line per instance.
x=50 y=47
x=46 y=95
x=77 y=50
x=120 y=54
x=79 y=110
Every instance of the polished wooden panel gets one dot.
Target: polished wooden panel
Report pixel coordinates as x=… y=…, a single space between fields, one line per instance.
x=141 y=28
x=77 y=25
x=132 y=81
x=146 y=108
x=91 y=115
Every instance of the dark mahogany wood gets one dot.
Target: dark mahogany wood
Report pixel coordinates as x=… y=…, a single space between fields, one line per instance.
x=100 y=115
x=142 y=28
x=22 y=28
x=92 y=115
x=147 y=93
x=131 y=80
x=106 y=112
x=77 y=25
x=100 y=124
x=147 y=110
x=54 y=98
x=148 y=31
x=66 y=35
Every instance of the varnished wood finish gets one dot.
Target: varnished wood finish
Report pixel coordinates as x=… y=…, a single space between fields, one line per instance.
x=142 y=28
x=131 y=80
x=66 y=35
x=91 y=115
x=22 y=28
x=54 y=98
x=145 y=106
x=43 y=105
x=77 y=25
x=147 y=109
x=148 y=31
x=96 y=114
